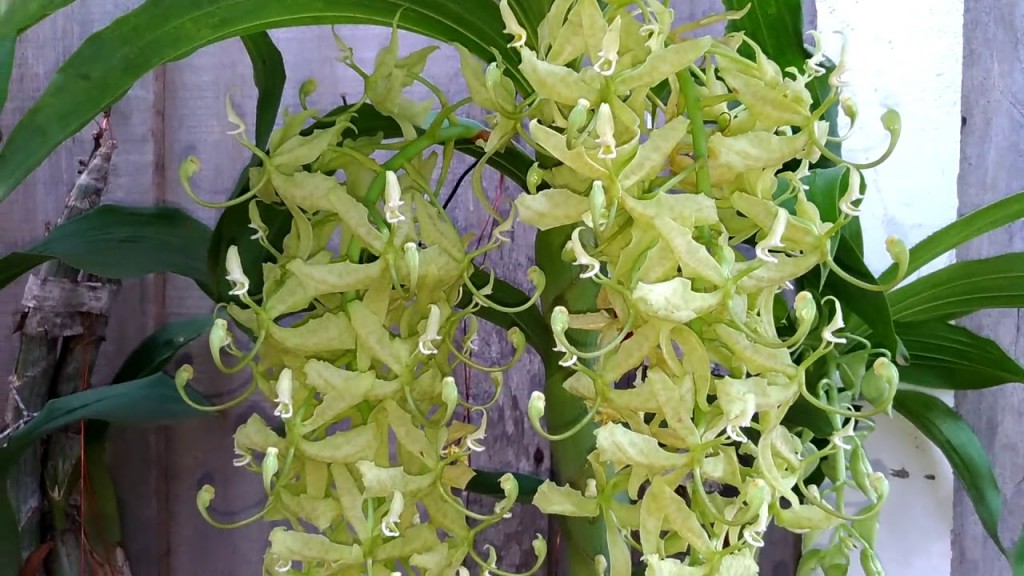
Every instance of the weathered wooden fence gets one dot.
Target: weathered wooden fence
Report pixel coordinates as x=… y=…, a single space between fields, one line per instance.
x=178 y=111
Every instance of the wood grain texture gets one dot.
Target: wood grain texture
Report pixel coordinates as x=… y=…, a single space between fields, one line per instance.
x=992 y=147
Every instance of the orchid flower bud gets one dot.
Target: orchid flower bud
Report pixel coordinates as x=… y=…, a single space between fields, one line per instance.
x=205 y=496
x=237 y=277
x=853 y=194
x=582 y=258
x=879 y=383
x=605 y=132
x=590 y=490
x=392 y=198
x=389 y=525
x=450 y=397
x=242 y=457
x=897 y=250
x=836 y=79
x=256 y=223
x=183 y=376
x=608 y=57
x=848 y=106
x=233 y=117
x=219 y=336
x=284 y=387
x=774 y=239
x=534 y=178
x=576 y=122
x=601 y=564
x=598 y=206
x=512 y=26
x=540 y=546
x=270 y=467
x=430 y=332
x=306 y=90
x=828 y=334
x=535 y=408
x=412 y=262
x=805 y=308
x=479 y=434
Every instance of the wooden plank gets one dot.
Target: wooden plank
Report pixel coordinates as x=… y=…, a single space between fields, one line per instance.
x=39 y=201
x=992 y=139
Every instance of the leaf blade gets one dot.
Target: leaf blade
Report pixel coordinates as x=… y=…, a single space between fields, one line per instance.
x=153 y=353
x=119 y=242
x=951 y=357
x=964 y=451
x=962 y=230
x=962 y=288
x=100 y=72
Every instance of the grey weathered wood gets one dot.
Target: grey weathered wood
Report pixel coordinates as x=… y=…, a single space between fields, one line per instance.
x=992 y=149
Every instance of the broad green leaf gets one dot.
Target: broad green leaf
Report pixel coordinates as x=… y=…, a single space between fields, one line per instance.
x=962 y=230
x=161 y=346
x=962 y=448
x=148 y=401
x=872 y=307
x=946 y=356
x=961 y=289
x=488 y=484
x=7 y=48
x=120 y=242
x=16 y=16
x=100 y=72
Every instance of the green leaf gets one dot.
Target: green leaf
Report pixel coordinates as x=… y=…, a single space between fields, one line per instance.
x=962 y=448
x=8 y=44
x=950 y=357
x=487 y=484
x=964 y=229
x=120 y=242
x=872 y=307
x=10 y=541
x=961 y=289
x=269 y=75
x=16 y=16
x=1018 y=556
x=161 y=346
x=101 y=71
x=148 y=401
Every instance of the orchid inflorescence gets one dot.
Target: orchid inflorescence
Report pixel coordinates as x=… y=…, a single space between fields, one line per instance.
x=670 y=155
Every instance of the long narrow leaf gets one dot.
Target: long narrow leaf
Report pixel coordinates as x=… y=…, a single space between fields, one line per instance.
x=269 y=76
x=962 y=448
x=149 y=401
x=954 y=358
x=961 y=289
x=16 y=16
x=963 y=229
x=161 y=346
x=8 y=44
x=119 y=242
x=159 y=31
x=10 y=541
